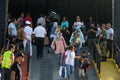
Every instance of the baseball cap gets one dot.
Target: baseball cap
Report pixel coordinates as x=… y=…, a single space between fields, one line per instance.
x=27 y=22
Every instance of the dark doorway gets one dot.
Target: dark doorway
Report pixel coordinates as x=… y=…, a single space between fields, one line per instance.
x=101 y=10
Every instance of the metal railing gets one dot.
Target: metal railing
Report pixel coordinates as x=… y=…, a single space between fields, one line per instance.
x=116 y=55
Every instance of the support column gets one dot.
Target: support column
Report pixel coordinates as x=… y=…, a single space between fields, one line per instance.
x=3 y=21
x=117 y=18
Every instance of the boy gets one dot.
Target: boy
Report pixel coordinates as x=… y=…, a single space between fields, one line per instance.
x=81 y=68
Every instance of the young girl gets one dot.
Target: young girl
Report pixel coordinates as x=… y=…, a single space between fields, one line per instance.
x=69 y=61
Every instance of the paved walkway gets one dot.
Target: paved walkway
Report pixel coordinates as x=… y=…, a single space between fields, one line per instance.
x=46 y=68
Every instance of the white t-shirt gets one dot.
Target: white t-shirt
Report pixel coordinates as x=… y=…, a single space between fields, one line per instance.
x=12 y=28
x=78 y=24
x=40 y=31
x=109 y=32
x=98 y=31
x=70 y=57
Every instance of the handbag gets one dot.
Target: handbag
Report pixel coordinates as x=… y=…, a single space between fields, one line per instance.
x=63 y=72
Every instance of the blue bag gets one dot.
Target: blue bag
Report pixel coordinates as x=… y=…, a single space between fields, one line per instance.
x=63 y=72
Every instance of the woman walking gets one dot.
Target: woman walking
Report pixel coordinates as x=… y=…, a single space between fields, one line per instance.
x=60 y=44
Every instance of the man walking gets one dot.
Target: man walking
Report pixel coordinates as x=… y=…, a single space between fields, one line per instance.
x=40 y=34
x=110 y=35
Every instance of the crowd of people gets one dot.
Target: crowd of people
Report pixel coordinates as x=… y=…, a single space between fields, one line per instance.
x=65 y=40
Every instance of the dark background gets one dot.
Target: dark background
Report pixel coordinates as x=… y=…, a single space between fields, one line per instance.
x=101 y=10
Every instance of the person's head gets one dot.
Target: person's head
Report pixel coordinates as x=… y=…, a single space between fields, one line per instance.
x=76 y=35
x=12 y=47
x=28 y=23
x=64 y=27
x=78 y=18
x=72 y=48
x=108 y=25
x=81 y=60
x=64 y=18
x=59 y=34
x=19 y=57
x=103 y=26
x=22 y=15
x=19 y=19
x=84 y=55
x=14 y=20
x=90 y=18
x=98 y=25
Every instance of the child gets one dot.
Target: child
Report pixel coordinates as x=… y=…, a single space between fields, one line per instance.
x=86 y=61
x=81 y=68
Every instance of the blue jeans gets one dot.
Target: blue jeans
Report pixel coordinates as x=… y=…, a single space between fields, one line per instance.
x=5 y=74
x=70 y=70
x=60 y=58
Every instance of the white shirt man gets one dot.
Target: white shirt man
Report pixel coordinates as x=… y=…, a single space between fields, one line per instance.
x=110 y=35
x=40 y=31
x=40 y=34
x=110 y=32
x=12 y=29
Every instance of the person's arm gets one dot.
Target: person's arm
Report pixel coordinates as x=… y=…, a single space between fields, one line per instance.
x=111 y=35
x=10 y=29
x=73 y=25
x=78 y=57
x=67 y=24
x=12 y=59
x=45 y=32
x=65 y=56
x=13 y=75
x=64 y=42
x=53 y=44
x=89 y=65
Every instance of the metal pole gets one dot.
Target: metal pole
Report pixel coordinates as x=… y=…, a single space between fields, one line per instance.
x=96 y=3
x=113 y=14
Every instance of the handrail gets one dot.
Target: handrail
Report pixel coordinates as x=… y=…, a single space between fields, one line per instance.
x=117 y=46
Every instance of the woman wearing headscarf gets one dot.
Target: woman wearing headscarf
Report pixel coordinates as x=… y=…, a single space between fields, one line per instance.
x=60 y=44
